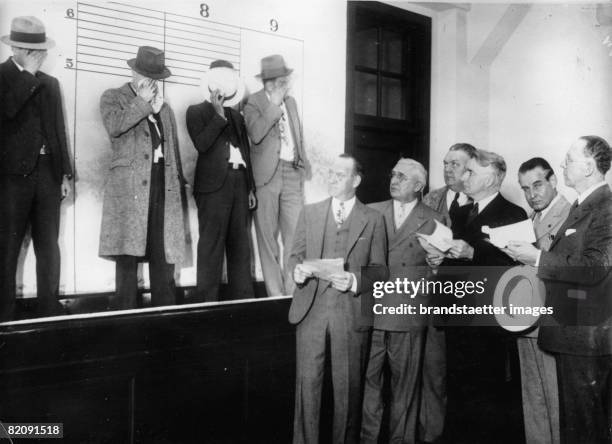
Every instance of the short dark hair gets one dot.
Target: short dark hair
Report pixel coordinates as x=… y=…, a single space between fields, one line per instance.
x=357 y=167
x=468 y=149
x=536 y=162
x=597 y=148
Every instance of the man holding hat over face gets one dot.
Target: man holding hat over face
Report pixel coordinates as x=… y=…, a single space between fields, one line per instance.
x=279 y=168
x=34 y=164
x=142 y=216
x=224 y=189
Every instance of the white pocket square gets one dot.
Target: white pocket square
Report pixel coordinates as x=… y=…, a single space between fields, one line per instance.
x=570 y=231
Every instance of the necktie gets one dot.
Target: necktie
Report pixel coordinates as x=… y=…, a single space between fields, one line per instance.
x=472 y=214
x=537 y=217
x=400 y=216
x=340 y=214
x=454 y=206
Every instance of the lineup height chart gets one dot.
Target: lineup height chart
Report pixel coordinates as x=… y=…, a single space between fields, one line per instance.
x=98 y=39
x=108 y=35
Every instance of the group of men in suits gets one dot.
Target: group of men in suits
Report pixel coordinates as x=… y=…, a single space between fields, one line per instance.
x=565 y=366
x=144 y=210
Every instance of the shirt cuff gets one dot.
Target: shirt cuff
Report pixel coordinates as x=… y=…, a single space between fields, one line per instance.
x=537 y=262
x=354 y=284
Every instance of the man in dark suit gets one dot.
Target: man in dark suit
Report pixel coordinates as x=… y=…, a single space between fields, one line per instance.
x=482 y=181
x=224 y=189
x=34 y=164
x=471 y=341
x=397 y=339
x=451 y=202
x=279 y=168
x=330 y=308
x=576 y=270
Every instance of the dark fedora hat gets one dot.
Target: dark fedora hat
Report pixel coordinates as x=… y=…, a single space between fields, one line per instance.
x=29 y=33
x=272 y=67
x=150 y=62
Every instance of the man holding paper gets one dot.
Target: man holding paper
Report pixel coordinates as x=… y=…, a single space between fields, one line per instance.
x=482 y=181
x=398 y=339
x=576 y=270
x=538 y=370
x=331 y=309
x=452 y=202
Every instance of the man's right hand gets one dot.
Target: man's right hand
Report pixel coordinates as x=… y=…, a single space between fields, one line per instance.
x=301 y=272
x=217 y=99
x=278 y=95
x=147 y=90
x=33 y=60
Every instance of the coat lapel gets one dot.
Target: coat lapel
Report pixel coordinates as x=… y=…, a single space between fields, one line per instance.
x=318 y=225
x=357 y=225
x=553 y=218
x=415 y=220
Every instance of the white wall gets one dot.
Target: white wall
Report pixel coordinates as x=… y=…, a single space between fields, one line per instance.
x=548 y=80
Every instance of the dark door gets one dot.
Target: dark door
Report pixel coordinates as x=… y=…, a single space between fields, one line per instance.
x=388 y=91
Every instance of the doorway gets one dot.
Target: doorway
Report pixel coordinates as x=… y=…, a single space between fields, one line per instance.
x=388 y=91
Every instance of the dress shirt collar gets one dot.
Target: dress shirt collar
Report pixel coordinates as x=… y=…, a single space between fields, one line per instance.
x=586 y=193
x=19 y=67
x=408 y=206
x=450 y=196
x=348 y=206
x=552 y=203
x=482 y=203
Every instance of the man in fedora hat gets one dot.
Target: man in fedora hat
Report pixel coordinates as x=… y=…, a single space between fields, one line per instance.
x=34 y=164
x=142 y=215
x=279 y=165
x=224 y=189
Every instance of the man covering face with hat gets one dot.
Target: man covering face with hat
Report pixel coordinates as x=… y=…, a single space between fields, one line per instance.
x=142 y=215
x=34 y=164
x=279 y=165
x=224 y=189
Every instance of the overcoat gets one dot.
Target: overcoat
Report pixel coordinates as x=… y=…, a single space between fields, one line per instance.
x=126 y=193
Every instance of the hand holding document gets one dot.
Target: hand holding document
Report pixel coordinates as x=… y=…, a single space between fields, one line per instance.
x=324 y=268
x=520 y=231
x=437 y=242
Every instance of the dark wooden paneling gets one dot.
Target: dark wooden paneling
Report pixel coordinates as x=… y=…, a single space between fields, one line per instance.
x=205 y=375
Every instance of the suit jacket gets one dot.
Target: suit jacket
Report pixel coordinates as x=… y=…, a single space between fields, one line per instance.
x=19 y=94
x=210 y=135
x=125 y=211
x=406 y=259
x=436 y=199
x=366 y=245
x=578 y=281
x=262 y=122
x=546 y=230
x=497 y=213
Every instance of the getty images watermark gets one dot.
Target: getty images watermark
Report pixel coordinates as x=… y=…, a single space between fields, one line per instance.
x=513 y=297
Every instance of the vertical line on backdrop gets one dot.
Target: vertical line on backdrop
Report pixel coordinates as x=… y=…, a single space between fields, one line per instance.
x=74 y=153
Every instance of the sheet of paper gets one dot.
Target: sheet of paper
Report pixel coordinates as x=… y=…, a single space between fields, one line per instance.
x=520 y=231
x=441 y=238
x=324 y=268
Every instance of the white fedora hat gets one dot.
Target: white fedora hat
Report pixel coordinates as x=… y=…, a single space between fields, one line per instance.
x=28 y=32
x=223 y=76
x=521 y=290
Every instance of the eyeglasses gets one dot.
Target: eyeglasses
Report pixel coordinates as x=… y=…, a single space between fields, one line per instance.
x=568 y=160
x=401 y=177
x=333 y=175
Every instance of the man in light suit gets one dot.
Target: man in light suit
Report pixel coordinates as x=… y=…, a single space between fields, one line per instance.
x=451 y=202
x=279 y=168
x=398 y=339
x=538 y=370
x=576 y=270
x=331 y=310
